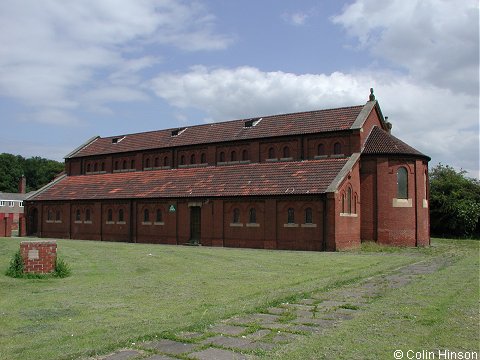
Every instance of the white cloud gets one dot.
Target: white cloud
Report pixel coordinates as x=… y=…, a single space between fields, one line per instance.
x=425 y=116
x=297 y=18
x=52 y=50
x=436 y=41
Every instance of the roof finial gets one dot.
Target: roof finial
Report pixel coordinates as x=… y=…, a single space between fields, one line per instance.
x=371 y=97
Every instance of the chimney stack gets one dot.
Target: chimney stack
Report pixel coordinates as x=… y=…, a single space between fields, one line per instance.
x=22 y=185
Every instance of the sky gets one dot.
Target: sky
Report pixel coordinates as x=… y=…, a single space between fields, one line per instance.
x=70 y=70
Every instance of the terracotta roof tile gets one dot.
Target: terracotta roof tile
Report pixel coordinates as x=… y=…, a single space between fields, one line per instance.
x=381 y=142
x=305 y=177
x=276 y=125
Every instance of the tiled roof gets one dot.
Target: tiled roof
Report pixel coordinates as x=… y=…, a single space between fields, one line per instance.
x=13 y=196
x=303 y=177
x=381 y=142
x=276 y=125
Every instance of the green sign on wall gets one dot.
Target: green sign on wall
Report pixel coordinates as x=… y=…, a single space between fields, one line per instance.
x=172 y=208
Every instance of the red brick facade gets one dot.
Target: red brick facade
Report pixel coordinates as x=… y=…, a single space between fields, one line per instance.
x=323 y=180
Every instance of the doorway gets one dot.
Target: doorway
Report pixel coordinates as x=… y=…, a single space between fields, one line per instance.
x=195 y=224
x=33 y=223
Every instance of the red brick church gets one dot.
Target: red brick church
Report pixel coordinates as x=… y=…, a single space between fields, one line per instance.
x=316 y=180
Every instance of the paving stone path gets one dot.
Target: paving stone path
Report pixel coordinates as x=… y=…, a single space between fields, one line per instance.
x=246 y=336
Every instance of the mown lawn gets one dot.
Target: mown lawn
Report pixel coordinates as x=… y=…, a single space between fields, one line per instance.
x=121 y=293
x=439 y=311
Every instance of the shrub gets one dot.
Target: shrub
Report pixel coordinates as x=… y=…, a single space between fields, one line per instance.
x=454 y=202
x=16 y=266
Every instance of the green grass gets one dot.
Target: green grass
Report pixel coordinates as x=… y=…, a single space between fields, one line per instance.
x=121 y=293
x=435 y=312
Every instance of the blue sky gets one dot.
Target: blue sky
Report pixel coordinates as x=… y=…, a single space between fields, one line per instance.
x=72 y=70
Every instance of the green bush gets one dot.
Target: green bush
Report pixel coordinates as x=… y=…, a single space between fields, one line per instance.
x=62 y=269
x=16 y=266
x=454 y=202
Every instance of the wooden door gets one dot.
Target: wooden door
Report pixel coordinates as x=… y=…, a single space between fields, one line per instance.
x=195 y=224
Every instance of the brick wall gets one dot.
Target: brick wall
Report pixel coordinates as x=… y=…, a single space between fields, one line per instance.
x=38 y=256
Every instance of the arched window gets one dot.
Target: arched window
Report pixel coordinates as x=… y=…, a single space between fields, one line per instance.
x=402 y=183
x=158 y=216
x=290 y=216
x=156 y=162
x=58 y=216
x=146 y=215
x=245 y=155
x=192 y=159
x=236 y=216
x=50 y=215
x=337 y=148
x=343 y=203
x=88 y=167
x=355 y=204
x=308 y=216
x=116 y=165
x=88 y=215
x=203 y=158
x=147 y=163
x=121 y=215
x=252 y=216
x=132 y=164
x=77 y=215
x=321 y=149
x=165 y=161
x=95 y=167
x=349 y=200
x=286 y=152
x=233 y=156
x=109 y=215
x=103 y=166
x=182 y=160
x=124 y=165
x=271 y=153
x=222 y=157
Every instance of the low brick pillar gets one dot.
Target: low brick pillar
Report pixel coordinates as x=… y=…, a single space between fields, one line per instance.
x=22 y=226
x=38 y=256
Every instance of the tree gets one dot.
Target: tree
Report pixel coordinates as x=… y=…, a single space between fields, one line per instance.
x=11 y=169
x=454 y=202
x=37 y=170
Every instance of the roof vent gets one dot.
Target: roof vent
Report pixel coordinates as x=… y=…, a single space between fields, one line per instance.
x=117 y=139
x=252 y=122
x=177 y=132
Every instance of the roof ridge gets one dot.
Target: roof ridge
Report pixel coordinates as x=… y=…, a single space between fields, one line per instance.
x=232 y=120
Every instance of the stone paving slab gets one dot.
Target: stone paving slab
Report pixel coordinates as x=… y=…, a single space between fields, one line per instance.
x=286 y=337
x=227 y=329
x=303 y=307
x=308 y=301
x=160 y=357
x=330 y=303
x=217 y=354
x=276 y=310
x=227 y=341
x=123 y=355
x=257 y=334
x=170 y=346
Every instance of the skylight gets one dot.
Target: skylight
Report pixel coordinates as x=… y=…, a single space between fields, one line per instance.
x=252 y=122
x=178 y=131
x=117 y=139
